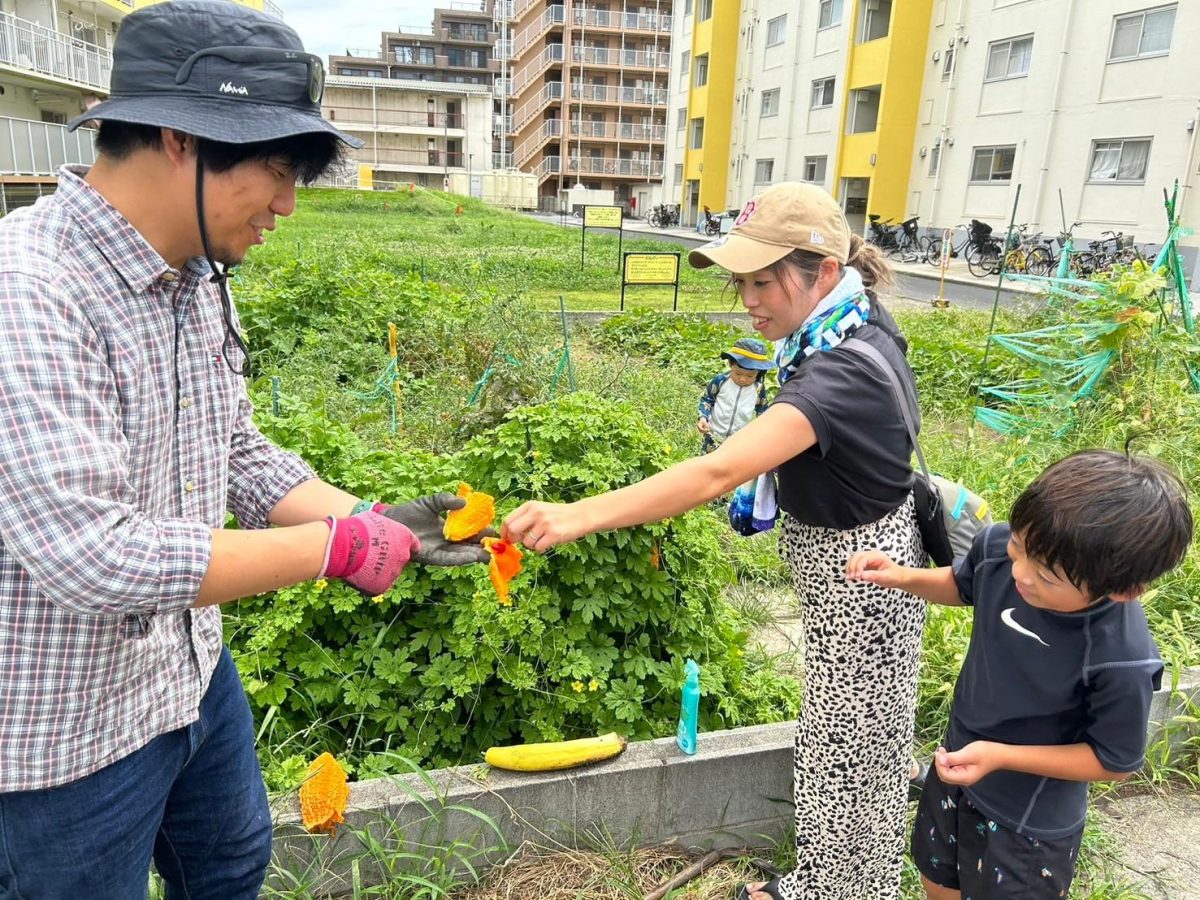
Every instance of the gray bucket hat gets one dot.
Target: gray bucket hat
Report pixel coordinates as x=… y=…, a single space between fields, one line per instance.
x=216 y=70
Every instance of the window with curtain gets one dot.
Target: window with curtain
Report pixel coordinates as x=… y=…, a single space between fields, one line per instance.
x=701 y=68
x=1009 y=58
x=822 y=93
x=685 y=61
x=770 y=103
x=830 y=14
x=764 y=171
x=681 y=121
x=697 y=141
x=1123 y=160
x=814 y=168
x=992 y=165
x=776 y=30
x=679 y=173
x=1145 y=33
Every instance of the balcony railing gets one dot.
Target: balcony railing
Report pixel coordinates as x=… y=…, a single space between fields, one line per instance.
x=39 y=148
x=627 y=21
x=408 y=157
x=554 y=15
x=358 y=53
x=502 y=160
x=532 y=70
x=36 y=48
x=624 y=131
x=600 y=93
x=395 y=118
x=603 y=56
x=598 y=165
x=479 y=35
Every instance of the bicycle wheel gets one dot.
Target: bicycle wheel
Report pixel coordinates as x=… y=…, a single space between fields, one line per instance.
x=933 y=255
x=984 y=261
x=1039 y=261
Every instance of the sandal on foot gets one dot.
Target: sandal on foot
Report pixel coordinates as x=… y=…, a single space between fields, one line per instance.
x=771 y=889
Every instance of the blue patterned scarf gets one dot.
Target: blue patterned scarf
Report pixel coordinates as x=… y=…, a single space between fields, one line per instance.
x=841 y=313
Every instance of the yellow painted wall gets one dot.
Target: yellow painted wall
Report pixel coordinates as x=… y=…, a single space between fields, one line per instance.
x=897 y=63
x=714 y=102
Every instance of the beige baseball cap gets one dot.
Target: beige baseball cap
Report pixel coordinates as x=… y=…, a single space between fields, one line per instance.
x=794 y=215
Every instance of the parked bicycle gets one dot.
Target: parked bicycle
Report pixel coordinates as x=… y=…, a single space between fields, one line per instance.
x=712 y=224
x=984 y=259
x=883 y=233
x=664 y=215
x=911 y=245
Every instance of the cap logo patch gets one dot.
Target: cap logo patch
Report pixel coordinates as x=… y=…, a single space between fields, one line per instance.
x=817 y=238
x=229 y=87
x=745 y=214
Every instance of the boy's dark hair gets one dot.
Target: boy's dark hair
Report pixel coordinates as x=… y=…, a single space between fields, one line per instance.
x=1111 y=522
x=307 y=155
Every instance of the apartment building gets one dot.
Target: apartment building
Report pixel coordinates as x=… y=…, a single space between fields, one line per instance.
x=418 y=132
x=589 y=96
x=55 y=59
x=943 y=109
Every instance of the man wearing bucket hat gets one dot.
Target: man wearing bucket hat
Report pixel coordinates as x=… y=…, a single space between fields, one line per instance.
x=126 y=435
x=735 y=396
x=836 y=437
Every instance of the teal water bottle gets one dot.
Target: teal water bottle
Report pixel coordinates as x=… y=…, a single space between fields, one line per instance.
x=689 y=708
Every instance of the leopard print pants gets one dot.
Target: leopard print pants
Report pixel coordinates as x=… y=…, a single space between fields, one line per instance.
x=862 y=646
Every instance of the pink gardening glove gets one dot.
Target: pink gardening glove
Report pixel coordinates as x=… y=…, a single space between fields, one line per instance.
x=368 y=551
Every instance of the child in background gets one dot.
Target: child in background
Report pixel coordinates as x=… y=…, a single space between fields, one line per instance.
x=734 y=397
x=1056 y=685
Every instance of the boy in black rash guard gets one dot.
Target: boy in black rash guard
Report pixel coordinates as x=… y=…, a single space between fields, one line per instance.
x=1055 y=688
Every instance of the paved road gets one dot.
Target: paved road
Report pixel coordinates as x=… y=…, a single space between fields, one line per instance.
x=917 y=283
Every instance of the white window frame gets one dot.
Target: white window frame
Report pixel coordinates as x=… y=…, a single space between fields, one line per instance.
x=1140 y=17
x=678 y=173
x=776 y=30
x=681 y=119
x=1007 y=45
x=1108 y=144
x=761 y=167
x=700 y=67
x=992 y=179
x=831 y=82
x=835 y=10
x=948 y=64
x=685 y=62
x=704 y=10
x=687 y=8
x=697 y=125
x=812 y=164
x=770 y=104
x=935 y=159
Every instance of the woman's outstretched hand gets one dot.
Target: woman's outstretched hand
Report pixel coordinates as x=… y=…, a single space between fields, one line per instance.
x=540 y=526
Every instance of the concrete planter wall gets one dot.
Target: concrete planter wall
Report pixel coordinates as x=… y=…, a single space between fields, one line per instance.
x=736 y=791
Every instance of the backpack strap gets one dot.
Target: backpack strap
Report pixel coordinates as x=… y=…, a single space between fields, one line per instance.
x=907 y=408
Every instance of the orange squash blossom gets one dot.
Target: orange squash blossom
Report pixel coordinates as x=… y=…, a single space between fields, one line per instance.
x=505 y=564
x=323 y=794
x=477 y=515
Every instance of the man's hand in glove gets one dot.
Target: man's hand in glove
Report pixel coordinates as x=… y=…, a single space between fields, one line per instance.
x=423 y=518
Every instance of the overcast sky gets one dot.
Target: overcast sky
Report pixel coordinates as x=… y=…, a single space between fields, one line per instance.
x=329 y=28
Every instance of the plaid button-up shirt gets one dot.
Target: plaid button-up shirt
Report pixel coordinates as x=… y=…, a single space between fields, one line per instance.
x=124 y=438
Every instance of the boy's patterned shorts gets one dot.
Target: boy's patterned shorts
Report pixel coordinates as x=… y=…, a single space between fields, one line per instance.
x=956 y=846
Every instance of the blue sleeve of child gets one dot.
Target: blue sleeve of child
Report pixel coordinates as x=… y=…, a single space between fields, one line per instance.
x=709 y=397
x=1118 y=707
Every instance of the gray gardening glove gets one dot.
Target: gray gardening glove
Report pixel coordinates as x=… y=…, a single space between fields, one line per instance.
x=423 y=518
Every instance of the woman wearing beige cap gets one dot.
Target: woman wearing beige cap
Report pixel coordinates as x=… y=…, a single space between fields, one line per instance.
x=837 y=440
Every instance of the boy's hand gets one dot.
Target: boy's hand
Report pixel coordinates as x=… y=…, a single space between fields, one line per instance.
x=702 y=425
x=971 y=763
x=877 y=568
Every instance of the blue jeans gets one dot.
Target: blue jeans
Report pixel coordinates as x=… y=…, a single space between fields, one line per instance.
x=193 y=799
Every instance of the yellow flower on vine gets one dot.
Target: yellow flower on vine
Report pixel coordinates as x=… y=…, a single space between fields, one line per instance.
x=321 y=584
x=593 y=685
x=378 y=598
x=577 y=686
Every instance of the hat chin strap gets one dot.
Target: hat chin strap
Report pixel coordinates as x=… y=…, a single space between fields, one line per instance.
x=220 y=276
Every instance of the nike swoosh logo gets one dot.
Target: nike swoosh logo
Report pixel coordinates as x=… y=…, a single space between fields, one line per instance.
x=1007 y=618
